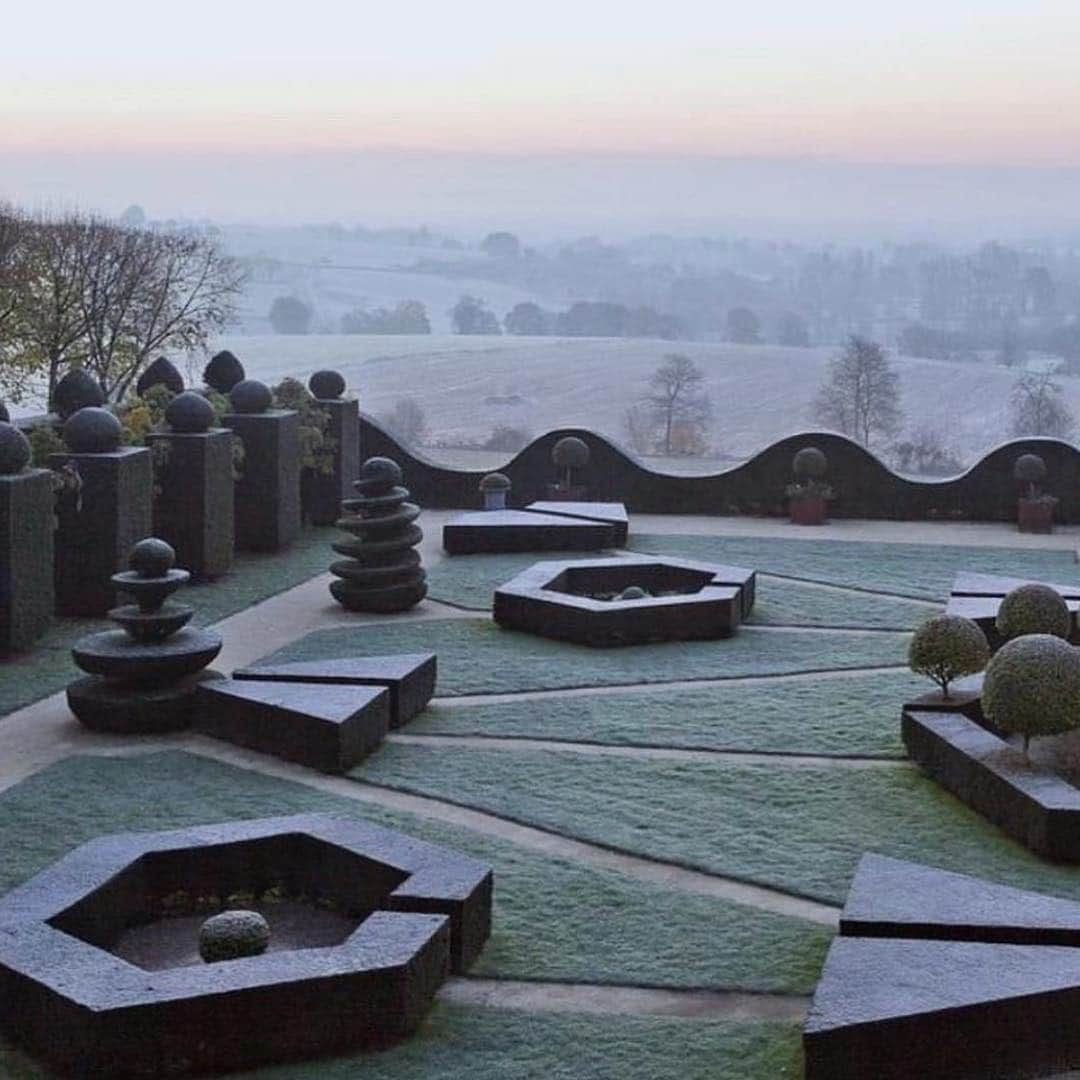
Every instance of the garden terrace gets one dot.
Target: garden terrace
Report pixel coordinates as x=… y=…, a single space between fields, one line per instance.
x=673 y=828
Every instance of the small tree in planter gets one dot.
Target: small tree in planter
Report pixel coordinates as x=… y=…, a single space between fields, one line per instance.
x=1032 y=687
x=808 y=497
x=569 y=455
x=1035 y=509
x=1033 y=609
x=948 y=647
x=494 y=488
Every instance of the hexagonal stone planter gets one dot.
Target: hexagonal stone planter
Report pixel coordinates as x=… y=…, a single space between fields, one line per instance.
x=942 y=976
x=99 y=966
x=580 y=600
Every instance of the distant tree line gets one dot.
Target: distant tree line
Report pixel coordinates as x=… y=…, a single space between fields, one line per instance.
x=77 y=290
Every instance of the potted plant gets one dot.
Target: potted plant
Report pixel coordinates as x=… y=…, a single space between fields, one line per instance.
x=494 y=488
x=809 y=496
x=1034 y=509
x=568 y=455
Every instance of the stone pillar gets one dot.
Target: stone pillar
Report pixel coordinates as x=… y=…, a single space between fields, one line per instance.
x=267 y=504
x=193 y=504
x=327 y=490
x=97 y=527
x=26 y=557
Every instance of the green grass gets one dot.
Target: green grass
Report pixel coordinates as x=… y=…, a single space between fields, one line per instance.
x=798 y=828
x=464 y=1043
x=478 y=657
x=554 y=919
x=828 y=714
x=923 y=571
x=470 y=581
x=48 y=667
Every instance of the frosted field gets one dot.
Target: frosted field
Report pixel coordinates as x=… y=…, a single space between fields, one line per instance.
x=760 y=393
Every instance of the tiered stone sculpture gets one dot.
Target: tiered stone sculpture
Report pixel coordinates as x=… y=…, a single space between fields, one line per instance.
x=143 y=677
x=382 y=571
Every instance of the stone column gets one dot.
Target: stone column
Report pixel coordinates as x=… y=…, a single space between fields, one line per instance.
x=26 y=544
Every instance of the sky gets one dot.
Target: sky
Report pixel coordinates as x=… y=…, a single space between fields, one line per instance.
x=100 y=99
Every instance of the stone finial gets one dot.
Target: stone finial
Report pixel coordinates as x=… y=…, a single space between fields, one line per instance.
x=76 y=390
x=250 y=396
x=189 y=413
x=92 y=430
x=327 y=385
x=14 y=450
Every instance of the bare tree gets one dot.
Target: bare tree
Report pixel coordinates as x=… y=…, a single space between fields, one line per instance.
x=1037 y=407
x=679 y=405
x=861 y=394
x=407 y=421
x=640 y=428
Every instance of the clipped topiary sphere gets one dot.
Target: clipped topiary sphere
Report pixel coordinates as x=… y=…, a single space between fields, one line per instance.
x=189 y=412
x=380 y=470
x=948 y=647
x=1032 y=686
x=76 y=390
x=495 y=481
x=232 y=935
x=632 y=592
x=1033 y=609
x=250 y=396
x=14 y=450
x=570 y=453
x=92 y=431
x=162 y=372
x=152 y=558
x=810 y=462
x=1030 y=468
x=223 y=372
x=327 y=385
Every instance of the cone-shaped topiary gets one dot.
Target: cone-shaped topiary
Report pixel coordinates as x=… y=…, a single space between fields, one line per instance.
x=382 y=570
x=223 y=372
x=1032 y=687
x=162 y=372
x=948 y=647
x=1033 y=609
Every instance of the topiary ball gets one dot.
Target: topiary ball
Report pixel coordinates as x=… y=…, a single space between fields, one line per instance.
x=152 y=558
x=632 y=592
x=495 y=481
x=14 y=450
x=189 y=412
x=232 y=935
x=1032 y=686
x=76 y=390
x=223 y=372
x=570 y=453
x=250 y=396
x=810 y=462
x=1030 y=468
x=1033 y=609
x=948 y=647
x=327 y=385
x=92 y=431
x=162 y=372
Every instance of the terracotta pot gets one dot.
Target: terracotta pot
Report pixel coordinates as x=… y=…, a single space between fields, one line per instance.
x=809 y=510
x=1035 y=515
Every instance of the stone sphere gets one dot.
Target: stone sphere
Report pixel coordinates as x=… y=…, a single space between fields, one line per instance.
x=76 y=390
x=495 y=481
x=1032 y=686
x=1030 y=468
x=250 y=396
x=232 y=935
x=14 y=450
x=810 y=462
x=189 y=412
x=570 y=453
x=327 y=385
x=92 y=431
x=632 y=592
x=152 y=558
x=1033 y=609
x=5 y=416
x=381 y=470
x=162 y=372
x=223 y=372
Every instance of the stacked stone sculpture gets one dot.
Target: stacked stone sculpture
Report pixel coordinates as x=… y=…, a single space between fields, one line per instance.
x=382 y=571
x=143 y=677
